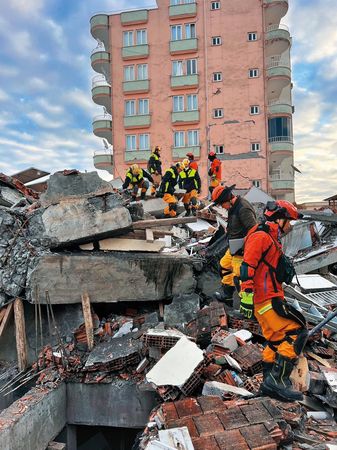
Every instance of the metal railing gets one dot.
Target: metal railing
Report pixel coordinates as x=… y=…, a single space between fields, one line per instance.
x=278 y=102
x=108 y=152
x=99 y=80
x=275 y=27
x=102 y=117
x=99 y=49
x=280 y=139
x=276 y=61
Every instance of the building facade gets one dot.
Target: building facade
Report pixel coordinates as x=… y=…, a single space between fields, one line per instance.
x=196 y=76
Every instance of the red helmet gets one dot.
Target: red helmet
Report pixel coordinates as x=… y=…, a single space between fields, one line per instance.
x=281 y=209
x=190 y=156
x=211 y=153
x=222 y=194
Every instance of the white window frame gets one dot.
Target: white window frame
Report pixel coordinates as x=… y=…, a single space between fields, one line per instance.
x=179 y=139
x=129 y=73
x=255 y=146
x=218 y=113
x=130 y=108
x=176 y=32
x=142 y=72
x=257 y=183
x=190 y=30
x=217 y=76
x=254 y=110
x=219 y=149
x=191 y=102
x=191 y=64
x=252 y=36
x=128 y=38
x=180 y=2
x=141 y=36
x=143 y=106
x=192 y=138
x=253 y=73
x=131 y=139
x=178 y=103
x=144 y=141
x=216 y=40
x=177 y=68
x=215 y=6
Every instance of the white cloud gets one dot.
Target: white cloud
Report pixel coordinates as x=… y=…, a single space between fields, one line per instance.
x=43 y=121
x=37 y=84
x=3 y=95
x=83 y=100
x=49 y=106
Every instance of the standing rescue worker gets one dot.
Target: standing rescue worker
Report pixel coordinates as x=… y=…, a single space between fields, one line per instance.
x=214 y=171
x=135 y=179
x=155 y=169
x=241 y=218
x=189 y=180
x=263 y=270
x=167 y=188
x=193 y=163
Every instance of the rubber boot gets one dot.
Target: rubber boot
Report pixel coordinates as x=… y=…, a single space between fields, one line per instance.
x=277 y=384
x=226 y=294
x=194 y=211
x=187 y=209
x=142 y=195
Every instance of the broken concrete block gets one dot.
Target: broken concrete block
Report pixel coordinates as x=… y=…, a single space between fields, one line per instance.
x=219 y=389
x=110 y=277
x=130 y=245
x=317 y=383
x=183 y=308
x=225 y=340
x=208 y=283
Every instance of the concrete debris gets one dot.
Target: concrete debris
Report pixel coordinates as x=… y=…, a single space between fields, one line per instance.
x=222 y=389
x=182 y=310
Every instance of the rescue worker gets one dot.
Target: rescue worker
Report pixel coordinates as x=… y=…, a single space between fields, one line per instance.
x=189 y=180
x=135 y=179
x=241 y=218
x=167 y=188
x=154 y=166
x=193 y=163
x=214 y=171
x=263 y=270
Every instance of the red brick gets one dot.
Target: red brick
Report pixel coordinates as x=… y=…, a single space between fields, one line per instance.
x=186 y=422
x=231 y=440
x=258 y=438
x=187 y=407
x=208 y=424
x=205 y=443
x=210 y=403
x=232 y=418
x=170 y=412
x=256 y=413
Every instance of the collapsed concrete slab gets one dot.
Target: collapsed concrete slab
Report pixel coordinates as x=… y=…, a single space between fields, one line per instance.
x=110 y=277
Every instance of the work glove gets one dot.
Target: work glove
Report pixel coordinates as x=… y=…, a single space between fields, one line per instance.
x=247 y=303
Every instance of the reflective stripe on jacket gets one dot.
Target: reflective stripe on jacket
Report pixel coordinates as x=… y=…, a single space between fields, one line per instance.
x=169 y=181
x=189 y=180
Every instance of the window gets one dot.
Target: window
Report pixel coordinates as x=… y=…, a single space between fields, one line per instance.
x=217 y=113
x=192 y=102
x=217 y=76
x=129 y=73
x=216 y=40
x=252 y=36
x=144 y=142
x=127 y=38
x=130 y=107
x=130 y=142
x=219 y=149
x=176 y=32
x=255 y=146
x=215 y=5
x=254 y=109
x=280 y=129
x=178 y=103
x=190 y=31
x=177 y=68
x=180 y=2
x=142 y=72
x=256 y=183
x=179 y=139
x=141 y=37
x=253 y=73
x=143 y=106
x=193 y=138
x=191 y=67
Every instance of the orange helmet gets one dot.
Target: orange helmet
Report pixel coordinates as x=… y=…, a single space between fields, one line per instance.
x=281 y=209
x=222 y=194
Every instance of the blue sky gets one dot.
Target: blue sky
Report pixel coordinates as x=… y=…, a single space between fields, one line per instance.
x=46 y=108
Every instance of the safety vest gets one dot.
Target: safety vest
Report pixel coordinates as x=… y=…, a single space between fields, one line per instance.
x=134 y=179
x=190 y=175
x=149 y=166
x=173 y=180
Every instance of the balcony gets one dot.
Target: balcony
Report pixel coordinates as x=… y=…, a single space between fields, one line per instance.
x=99 y=27
x=278 y=39
x=101 y=92
x=279 y=107
x=184 y=81
x=182 y=11
x=185 y=117
x=180 y=152
x=277 y=65
x=183 y=46
x=104 y=161
x=135 y=51
x=136 y=86
x=275 y=10
x=100 y=61
x=282 y=184
x=137 y=121
x=137 y=155
x=134 y=17
x=281 y=144
x=102 y=127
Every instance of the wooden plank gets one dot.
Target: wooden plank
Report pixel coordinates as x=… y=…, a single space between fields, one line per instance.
x=141 y=224
x=20 y=334
x=6 y=318
x=130 y=245
x=300 y=375
x=89 y=326
x=149 y=235
x=322 y=361
x=2 y=313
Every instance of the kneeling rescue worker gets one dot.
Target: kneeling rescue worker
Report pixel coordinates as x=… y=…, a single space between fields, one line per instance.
x=167 y=188
x=263 y=270
x=135 y=179
x=189 y=180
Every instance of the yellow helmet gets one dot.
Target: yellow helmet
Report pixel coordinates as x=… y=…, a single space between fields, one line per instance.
x=157 y=149
x=135 y=169
x=185 y=163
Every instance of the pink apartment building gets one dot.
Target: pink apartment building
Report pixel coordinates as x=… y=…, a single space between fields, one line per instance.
x=195 y=76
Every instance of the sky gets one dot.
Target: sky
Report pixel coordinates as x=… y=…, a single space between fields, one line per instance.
x=46 y=108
